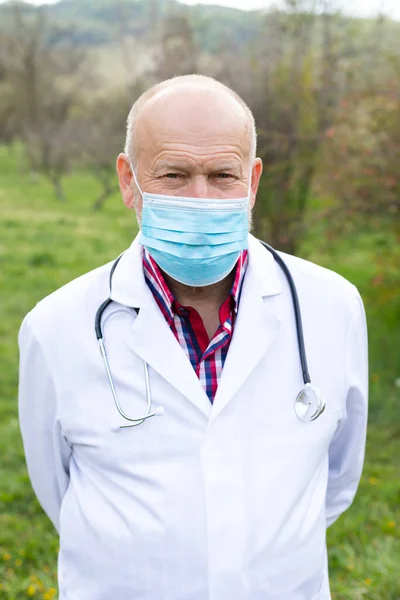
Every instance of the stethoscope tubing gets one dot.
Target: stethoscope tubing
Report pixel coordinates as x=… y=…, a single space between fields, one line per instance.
x=299 y=404
x=297 y=312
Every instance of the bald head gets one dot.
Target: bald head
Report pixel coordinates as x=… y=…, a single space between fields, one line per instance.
x=191 y=137
x=195 y=99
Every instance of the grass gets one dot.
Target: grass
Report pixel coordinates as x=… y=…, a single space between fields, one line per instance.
x=44 y=244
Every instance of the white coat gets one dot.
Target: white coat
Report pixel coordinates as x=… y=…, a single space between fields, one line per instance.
x=228 y=501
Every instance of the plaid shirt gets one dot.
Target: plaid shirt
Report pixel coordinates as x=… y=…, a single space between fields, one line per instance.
x=206 y=356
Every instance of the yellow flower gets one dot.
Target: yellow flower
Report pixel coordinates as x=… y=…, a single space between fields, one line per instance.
x=18 y=562
x=6 y=556
x=373 y=480
x=31 y=590
x=368 y=581
x=49 y=595
x=391 y=524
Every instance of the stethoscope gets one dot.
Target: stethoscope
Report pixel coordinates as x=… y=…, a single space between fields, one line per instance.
x=309 y=404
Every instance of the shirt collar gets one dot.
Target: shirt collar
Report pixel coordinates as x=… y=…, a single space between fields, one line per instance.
x=159 y=287
x=165 y=297
x=237 y=285
x=130 y=288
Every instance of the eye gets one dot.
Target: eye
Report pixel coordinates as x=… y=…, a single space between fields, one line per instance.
x=172 y=175
x=224 y=175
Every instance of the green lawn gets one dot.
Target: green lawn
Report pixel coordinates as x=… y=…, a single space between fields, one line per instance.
x=44 y=244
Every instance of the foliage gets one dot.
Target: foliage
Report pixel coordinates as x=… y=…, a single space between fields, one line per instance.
x=365 y=166
x=311 y=76
x=297 y=74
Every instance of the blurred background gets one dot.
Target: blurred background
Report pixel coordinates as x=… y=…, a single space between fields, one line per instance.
x=323 y=81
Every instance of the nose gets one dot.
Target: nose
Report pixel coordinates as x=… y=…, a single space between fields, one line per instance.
x=200 y=187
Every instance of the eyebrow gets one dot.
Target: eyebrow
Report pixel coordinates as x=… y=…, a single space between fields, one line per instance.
x=169 y=165
x=227 y=168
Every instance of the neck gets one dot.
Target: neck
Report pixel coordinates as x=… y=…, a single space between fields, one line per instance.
x=212 y=295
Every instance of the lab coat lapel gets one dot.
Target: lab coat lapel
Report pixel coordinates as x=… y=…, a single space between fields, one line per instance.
x=150 y=336
x=256 y=326
x=152 y=339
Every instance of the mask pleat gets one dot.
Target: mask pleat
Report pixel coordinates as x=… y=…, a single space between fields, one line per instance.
x=193 y=239
x=194 y=252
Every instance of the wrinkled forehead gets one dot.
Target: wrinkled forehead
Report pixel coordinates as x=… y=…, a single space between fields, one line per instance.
x=197 y=118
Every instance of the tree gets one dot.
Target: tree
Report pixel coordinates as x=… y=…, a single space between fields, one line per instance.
x=364 y=177
x=101 y=138
x=299 y=69
x=8 y=123
x=177 y=50
x=45 y=84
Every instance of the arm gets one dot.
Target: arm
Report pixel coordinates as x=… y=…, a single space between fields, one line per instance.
x=347 y=449
x=47 y=452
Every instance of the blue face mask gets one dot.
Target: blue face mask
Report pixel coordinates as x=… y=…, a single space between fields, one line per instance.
x=197 y=241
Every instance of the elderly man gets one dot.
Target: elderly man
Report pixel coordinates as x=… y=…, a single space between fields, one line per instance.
x=180 y=462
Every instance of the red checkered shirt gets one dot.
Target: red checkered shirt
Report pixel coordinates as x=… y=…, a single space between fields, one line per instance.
x=206 y=356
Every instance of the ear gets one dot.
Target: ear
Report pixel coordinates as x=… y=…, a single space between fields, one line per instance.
x=125 y=180
x=256 y=172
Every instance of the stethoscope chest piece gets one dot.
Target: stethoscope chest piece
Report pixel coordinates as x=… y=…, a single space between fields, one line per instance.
x=309 y=404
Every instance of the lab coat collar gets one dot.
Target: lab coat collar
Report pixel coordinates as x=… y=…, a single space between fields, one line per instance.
x=264 y=269
x=129 y=286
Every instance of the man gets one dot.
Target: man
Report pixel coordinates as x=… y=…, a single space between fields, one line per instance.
x=224 y=493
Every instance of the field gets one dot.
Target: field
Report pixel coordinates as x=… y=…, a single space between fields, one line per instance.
x=45 y=243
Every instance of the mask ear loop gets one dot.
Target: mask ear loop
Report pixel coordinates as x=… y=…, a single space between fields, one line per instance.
x=135 y=178
x=249 y=188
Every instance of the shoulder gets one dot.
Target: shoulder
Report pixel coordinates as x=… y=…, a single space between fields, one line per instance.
x=318 y=287
x=308 y=272
x=325 y=294
x=321 y=281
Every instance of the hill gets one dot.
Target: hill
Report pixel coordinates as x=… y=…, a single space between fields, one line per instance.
x=99 y=22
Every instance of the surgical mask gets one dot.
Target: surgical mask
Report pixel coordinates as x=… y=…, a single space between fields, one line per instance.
x=196 y=241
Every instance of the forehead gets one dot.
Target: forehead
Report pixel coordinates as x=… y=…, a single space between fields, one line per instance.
x=201 y=120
